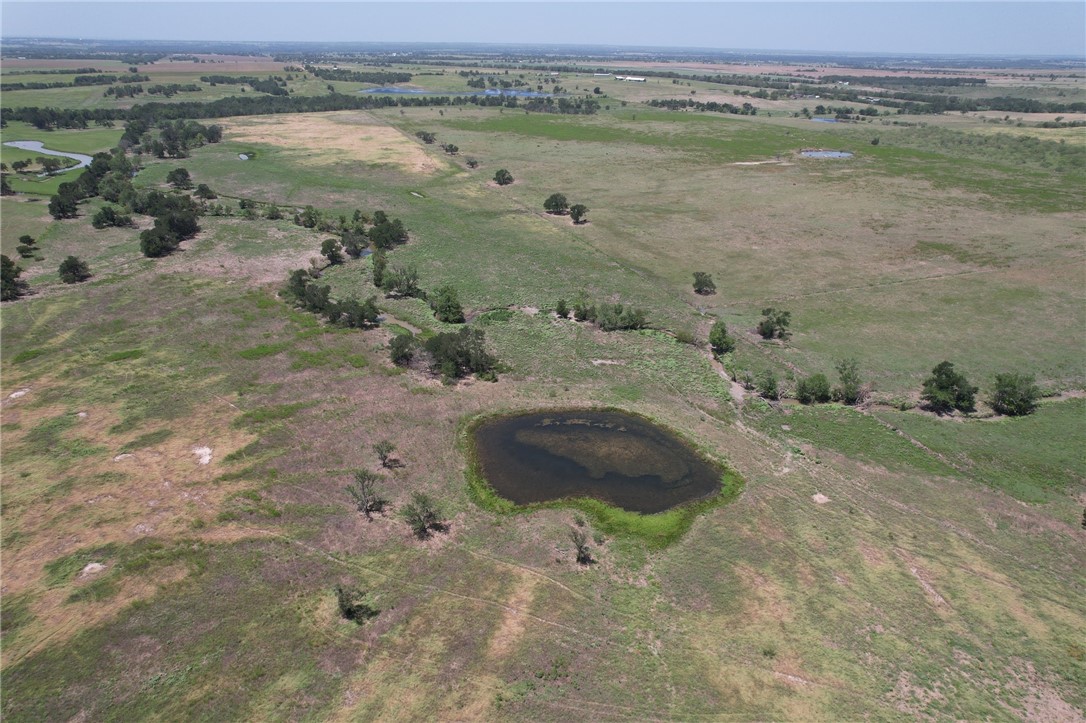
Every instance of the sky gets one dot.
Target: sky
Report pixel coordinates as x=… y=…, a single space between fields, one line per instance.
x=973 y=27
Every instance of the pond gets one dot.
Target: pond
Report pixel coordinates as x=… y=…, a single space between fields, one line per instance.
x=39 y=147
x=826 y=154
x=617 y=458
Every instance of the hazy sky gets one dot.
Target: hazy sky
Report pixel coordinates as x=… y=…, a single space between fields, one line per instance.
x=993 y=28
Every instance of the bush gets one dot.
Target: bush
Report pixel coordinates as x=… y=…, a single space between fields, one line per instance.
x=402 y=349
x=158 y=241
x=354 y=605
x=703 y=283
x=332 y=250
x=580 y=544
x=1014 y=394
x=401 y=281
x=355 y=314
x=562 y=309
x=775 y=324
x=813 y=389
x=179 y=178
x=946 y=390
x=719 y=339
x=503 y=177
x=447 y=306
x=108 y=216
x=616 y=317
x=204 y=191
x=11 y=286
x=767 y=385
x=577 y=212
x=72 y=270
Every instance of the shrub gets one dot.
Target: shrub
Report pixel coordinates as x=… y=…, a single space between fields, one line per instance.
x=815 y=388
x=577 y=212
x=402 y=349
x=447 y=306
x=423 y=515
x=332 y=250
x=850 y=390
x=108 y=216
x=72 y=270
x=355 y=605
x=767 y=385
x=616 y=317
x=562 y=309
x=364 y=492
x=401 y=281
x=456 y=354
x=158 y=241
x=775 y=324
x=703 y=283
x=11 y=286
x=1014 y=394
x=179 y=178
x=204 y=191
x=580 y=544
x=503 y=177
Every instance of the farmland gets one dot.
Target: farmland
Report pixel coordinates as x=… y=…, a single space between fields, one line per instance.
x=183 y=425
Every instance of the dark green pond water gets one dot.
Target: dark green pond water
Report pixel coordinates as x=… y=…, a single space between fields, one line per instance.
x=620 y=459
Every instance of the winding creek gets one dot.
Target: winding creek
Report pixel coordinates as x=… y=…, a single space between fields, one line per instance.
x=39 y=147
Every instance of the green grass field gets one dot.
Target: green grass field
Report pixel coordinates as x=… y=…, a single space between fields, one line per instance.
x=178 y=423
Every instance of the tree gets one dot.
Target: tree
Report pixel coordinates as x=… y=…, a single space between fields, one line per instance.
x=426 y=137
x=556 y=203
x=616 y=317
x=204 y=191
x=446 y=305
x=11 y=286
x=63 y=205
x=472 y=163
x=423 y=515
x=457 y=353
x=503 y=177
x=380 y=264
x=850 y=390
x=767 y=385
x=719 y=339
x=577 y=212
x=158 y=241
x=946 y=390
x=365 y=494
x=562 y=309
x=355 y=314
x=354 y=242
x=108 y=216
x=775 y=324
x=333 y=251
x=5 y=187
x=703 y=283
x=401 y=281
x=1014 y=394
x=179 y=178
x=355 y=605
x=401 y=349
x=72 y=270
x=384 y=450
x=580 y=543
x=815 y=388
x=273 y=212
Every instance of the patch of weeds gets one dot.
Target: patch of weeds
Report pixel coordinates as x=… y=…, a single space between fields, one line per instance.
x=101 y=589
x=123 y=355
x=496 y=316
x=14 y=614
x=262 y=350
x=627 y=392
x=148 y=440
x=248 y=503
x=397 y=329
x=358 y=361
x=64 y=569
x=60 y=489
x=263 y=415
x=304 y=359
x=28 y=354
x=515 y=692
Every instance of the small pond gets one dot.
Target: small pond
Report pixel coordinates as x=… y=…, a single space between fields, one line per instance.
x=824 y=120
x=39 y=147
x=243 y=156
x=825 y=154
x=620 y=459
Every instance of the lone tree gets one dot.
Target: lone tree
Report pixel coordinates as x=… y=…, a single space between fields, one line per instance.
x=703 y=283
x=11 y=286
x=365 y=494
x=556 y=203
x=1014 y=394
x=577 y=212
x=775 y=324
x=204 y=191
x=719 y=339
x=426 y=137
x=423 y=515
x=946 y=390
x=332 y=250
x=503 y=177
x=472 y=163
x=179 y=178
x=355 y=605
x=580 y=543
x=446 y=305
x=72 y=270
x=384 y=450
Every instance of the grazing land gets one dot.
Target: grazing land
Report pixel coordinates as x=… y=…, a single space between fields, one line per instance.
x=180 y=433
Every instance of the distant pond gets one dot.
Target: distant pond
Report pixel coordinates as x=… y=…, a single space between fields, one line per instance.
x=826 y=154
x=618 y=458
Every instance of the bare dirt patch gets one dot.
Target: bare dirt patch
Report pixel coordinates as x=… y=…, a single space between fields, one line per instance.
x=329 y=138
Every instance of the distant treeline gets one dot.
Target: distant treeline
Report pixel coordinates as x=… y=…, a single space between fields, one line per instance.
x=886 y=81
x=713 y=107
x=47 y=118
x=353 y=76
x=55 y=71
x=78 y=81
x=272 y=85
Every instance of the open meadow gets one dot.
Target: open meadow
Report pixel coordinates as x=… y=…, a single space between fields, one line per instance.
x=179 y=435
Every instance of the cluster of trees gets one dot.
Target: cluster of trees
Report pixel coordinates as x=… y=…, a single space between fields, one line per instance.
x=558 y=205
x=11 y=286
x=316 y=298
x=104 y=170
x=175 y=138
x=354 y=76
x=452 y=354
x=176 y=219
x=124 y=91
x=78 y=82
x=169 y=90
x=608 y=317
x=816 y=389
x=774 y=324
